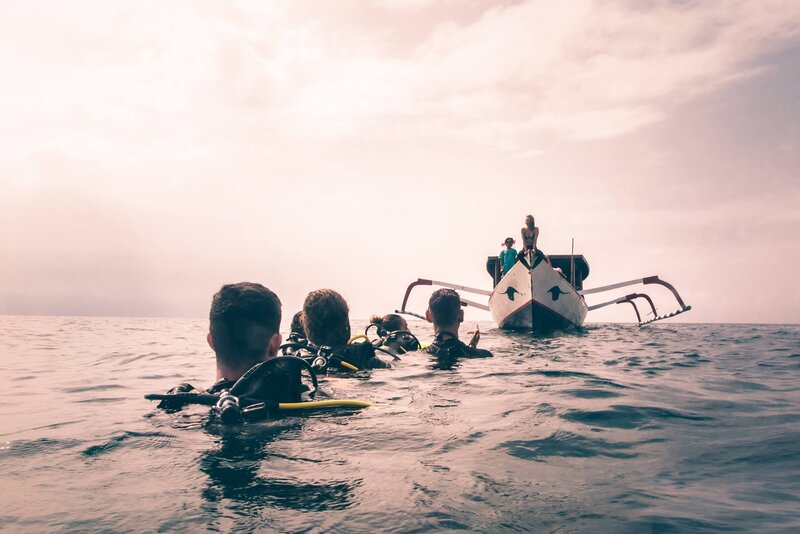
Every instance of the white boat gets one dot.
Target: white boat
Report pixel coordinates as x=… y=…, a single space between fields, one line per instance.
x=556 y=304
x=558 y=301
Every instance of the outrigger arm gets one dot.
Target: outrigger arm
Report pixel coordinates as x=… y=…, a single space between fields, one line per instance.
x=464 y=302
x=631 y=297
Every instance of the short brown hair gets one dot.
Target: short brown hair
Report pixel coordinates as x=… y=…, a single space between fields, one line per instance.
x=444 y=305
x=242 y=320
x=297 y=324
x=326 y=318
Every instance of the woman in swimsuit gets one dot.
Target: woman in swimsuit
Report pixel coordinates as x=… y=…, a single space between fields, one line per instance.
x=530 y=234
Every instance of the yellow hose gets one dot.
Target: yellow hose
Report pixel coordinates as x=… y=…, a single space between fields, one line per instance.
x=348 y=365
x=323 y=404
x=359 y=336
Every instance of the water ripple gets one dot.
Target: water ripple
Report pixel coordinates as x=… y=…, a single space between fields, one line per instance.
x=569 y=445
x=622 y=416
x=146 y=440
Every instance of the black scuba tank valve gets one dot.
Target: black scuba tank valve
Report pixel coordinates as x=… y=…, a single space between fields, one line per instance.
x=228 y=408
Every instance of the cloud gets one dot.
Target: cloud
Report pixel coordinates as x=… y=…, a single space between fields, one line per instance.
x=580 y=70
x=94 y=74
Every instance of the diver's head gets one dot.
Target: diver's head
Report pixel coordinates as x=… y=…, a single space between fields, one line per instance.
x=326 y=318
x=297 y=324
x=530 y=222
x=444 y=311
x=509 y=242
x=243 y=327
x=390 y=322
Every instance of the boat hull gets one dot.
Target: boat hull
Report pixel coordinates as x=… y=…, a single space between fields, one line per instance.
x=556 y=304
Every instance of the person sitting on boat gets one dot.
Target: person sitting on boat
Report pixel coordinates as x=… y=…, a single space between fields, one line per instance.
x=243 y=331
x=530 y=237
x=394 y=334
x=444 y=311
x=326 y=322
x=508 y=256
x=530 y=234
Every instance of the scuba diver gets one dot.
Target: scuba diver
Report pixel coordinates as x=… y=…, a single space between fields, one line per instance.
x=393 y=334
x=326 y=322
x=296 y=330
x=444 y=311
x=251 y=379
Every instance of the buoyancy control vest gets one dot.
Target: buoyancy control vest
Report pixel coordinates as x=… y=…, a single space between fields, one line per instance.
x=447 y=345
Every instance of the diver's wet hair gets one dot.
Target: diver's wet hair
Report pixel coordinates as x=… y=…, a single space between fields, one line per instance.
x=243 y=318
x=445 y=305
x=326 y=318
x=390 y=322
x=297 y=324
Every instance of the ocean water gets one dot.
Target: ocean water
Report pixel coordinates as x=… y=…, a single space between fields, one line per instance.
x=667 y=428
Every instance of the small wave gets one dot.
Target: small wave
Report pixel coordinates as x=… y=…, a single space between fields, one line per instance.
x=145 y=440
x=562 y=374
x=159 y=377
x=629 y=417
x=153 y=355
x=736 y=386
x=99 y=387
x=26 y=448
x=606 y=382
x=102 y=400
x=590 y=393
x=654 y=523
x=569 y=445
x=454 y=444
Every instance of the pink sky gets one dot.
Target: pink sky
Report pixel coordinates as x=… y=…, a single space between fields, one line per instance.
x=154 y=151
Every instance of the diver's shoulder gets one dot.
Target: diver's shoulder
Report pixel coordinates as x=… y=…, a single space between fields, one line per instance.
x=455 y=347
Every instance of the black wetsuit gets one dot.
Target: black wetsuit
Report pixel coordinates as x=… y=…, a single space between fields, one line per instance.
x=280 y=382
x=447 y=345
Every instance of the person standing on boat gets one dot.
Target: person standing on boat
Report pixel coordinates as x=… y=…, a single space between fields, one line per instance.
x=444 y=311
x=508 y=256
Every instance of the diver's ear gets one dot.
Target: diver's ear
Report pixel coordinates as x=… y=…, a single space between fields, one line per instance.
x=460 y=316
x=274 y=344
x=210 y=340
x=428 y=316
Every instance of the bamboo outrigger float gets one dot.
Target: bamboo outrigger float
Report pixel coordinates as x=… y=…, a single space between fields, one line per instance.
x=544 y=297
